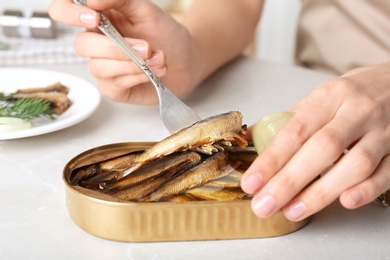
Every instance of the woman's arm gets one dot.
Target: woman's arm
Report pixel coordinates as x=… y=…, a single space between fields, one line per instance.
x=221 y=29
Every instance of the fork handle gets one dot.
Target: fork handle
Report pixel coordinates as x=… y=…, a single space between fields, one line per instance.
x=109 y=30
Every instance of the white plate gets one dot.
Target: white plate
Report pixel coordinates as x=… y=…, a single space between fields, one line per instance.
x=84 y=95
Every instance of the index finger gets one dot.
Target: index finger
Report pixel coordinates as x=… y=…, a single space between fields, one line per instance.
x=67 y=12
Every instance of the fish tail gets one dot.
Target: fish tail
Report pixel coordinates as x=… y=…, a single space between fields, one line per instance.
x=241 y=141
x=239 y=137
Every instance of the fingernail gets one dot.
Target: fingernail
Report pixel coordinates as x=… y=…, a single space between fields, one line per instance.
x=88 y=18
x=264 y=206
x=295 y=211
x=140 y=48
x=155 y=60
x=252 y=183
x=355 y=197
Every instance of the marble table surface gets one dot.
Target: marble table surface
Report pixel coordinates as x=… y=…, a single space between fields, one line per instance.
x=35 y=224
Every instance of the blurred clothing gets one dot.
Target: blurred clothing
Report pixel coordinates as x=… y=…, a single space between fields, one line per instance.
x=339 y=35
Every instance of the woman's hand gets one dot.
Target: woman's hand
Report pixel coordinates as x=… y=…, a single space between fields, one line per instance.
x=183 y=54
x=350 y=112
x=148 y=29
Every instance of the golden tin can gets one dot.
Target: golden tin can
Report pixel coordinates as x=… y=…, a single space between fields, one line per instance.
x=106 y=217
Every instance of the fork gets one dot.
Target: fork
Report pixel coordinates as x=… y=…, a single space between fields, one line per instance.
x=173 y=112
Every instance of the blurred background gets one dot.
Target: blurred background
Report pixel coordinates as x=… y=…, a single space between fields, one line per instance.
x=275 y=36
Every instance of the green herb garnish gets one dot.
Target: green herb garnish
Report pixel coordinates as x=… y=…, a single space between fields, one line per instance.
x=24 y=108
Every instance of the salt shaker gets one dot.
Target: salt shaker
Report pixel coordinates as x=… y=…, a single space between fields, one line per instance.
x=37 y=25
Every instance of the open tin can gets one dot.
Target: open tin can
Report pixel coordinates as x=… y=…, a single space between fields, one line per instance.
x=108 y=218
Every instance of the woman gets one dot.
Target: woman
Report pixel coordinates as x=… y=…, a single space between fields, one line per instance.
x=348 y=112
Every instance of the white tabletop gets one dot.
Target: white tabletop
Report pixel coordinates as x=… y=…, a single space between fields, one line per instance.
x=35 y=224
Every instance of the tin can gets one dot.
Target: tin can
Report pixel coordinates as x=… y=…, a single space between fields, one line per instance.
x=108 y=218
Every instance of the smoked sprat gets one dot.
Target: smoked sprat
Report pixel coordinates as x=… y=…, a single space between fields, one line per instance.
x=204 y=161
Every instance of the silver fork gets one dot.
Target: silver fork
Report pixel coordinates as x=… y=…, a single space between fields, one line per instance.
x=173 y=112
